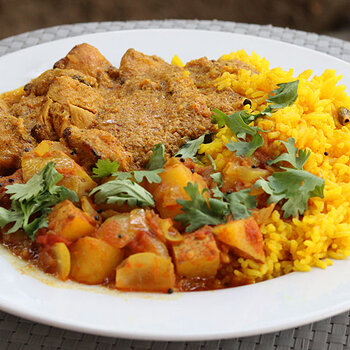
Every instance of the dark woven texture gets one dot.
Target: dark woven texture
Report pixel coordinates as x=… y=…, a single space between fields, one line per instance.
x=329 y=334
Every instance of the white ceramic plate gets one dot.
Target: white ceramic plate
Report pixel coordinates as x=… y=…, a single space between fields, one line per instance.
x=284 y=302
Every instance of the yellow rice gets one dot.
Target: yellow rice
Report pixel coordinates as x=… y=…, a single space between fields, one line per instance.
x=323 y=233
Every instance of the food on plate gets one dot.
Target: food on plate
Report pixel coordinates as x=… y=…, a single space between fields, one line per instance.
x=163 y=177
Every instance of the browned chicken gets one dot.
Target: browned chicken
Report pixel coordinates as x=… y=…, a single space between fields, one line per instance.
x=14 y=141
x=100 y=111
x=204 y=73
x=92 y=145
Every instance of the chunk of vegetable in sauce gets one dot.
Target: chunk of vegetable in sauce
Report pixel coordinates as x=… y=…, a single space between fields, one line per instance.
x=145 y=272
x=197 y=255
x=93 y=260
x=244 y=237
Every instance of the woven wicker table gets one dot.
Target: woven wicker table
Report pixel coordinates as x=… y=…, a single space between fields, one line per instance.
x=330 y=334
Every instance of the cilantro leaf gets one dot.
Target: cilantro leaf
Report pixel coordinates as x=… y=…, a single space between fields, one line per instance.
x=296 y=157
x=150 y=175
x=212 y=162
x=190 y=149
x=244 y=148
x=285 y=95
x=36 y=197
x=138 y=175
x=240 y=203
x=105 y=168
x=197 y=212
x=122 y=191
x=295 y=186
x=157 y=159
x=237 y=122
x=124 y=175
x=217 y=177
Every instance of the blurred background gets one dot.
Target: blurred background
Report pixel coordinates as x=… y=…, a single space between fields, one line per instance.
x=330 y=17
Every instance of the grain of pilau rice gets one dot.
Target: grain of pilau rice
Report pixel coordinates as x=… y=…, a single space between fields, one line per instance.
x=323 y=233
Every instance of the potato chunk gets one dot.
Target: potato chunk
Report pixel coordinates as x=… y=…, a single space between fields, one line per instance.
x=61 y=254
x=174 y=178
x=145 y=272
x=75 y=178
x=244 y=237
x=197 y=255
x=68 y=221
x=93 y=260
x=116 y=230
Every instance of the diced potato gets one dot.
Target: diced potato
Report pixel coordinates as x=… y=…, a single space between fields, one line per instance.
x=145 y=272
x=93 y=260
x=74 y=176
x=61 y=254
x=263 y=214
x=175 y=177
x=87 y=206
x=247 y=175
x=146 y=242
x=116 y=230
x=197 y=255
x=171 y=234
x=244 y=237
x=132 y=230
x=68 y=221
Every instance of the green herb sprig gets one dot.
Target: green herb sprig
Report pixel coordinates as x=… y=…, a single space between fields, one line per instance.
x=198 y=211
x=294 y=185
x=106 y=168
x=33 y=201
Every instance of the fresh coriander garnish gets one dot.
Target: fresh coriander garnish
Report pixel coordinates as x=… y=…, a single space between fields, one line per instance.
x=122 y=191
x=294 y=156
x=198 y=211
x=244 y=148
x=294 y=185
x=157 y=159
x=213 y=164
x=240 y=127
x=32 y=201
x=241 y=203
x=105 y=168
x=285 y=95
x=217 y=178
x=190 y=148
x=150 y=175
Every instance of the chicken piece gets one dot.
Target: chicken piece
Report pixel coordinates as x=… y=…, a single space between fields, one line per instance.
x=41 y=84
x=204 y=74
x=14 y=141
x=86 y=59
x=80 y=117
x=66 y=90
x=91 y=145
x=29 y=108
x=3 y=108
x=156 y=103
